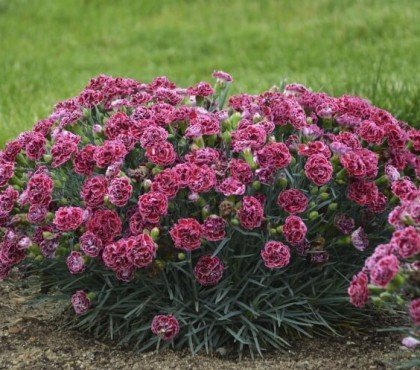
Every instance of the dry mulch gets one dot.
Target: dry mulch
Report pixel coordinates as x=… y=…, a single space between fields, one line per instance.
x=31 y=338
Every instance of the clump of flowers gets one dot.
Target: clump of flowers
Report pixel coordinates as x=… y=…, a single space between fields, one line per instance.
x=182 y=215
x=391 y=275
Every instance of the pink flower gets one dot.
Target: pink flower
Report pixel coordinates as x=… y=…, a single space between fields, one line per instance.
x=371 y=132
x=292 y=201
x=200 y=89
x=294 y=229
x=153 y=135
x=318 y=169
x=240 y=170
x=119 y=191
x=209 y=270
x=203 y=124
x=152 y=206
x=186 y=234
x=115 y=257
x=384 y=270
x=202 y=179
x=162 y=154
x=251 y=213
x=35 y=146
x=83 y=161
x=253 y=137
x=406 y=242
x=166 y=182
x=183 y=172
x=6 y=172
x=213 y=228
x=68 y=218
x=392 y=173
x=110 y=152
x=403 y=189
x=359 y=239
x=75 y=262
x=274 y=155
x=410 y=342
x=165 y=327
x=105 y=224
x=37 y=214
x=207 y=156
x=230 y=186
x=319 y=257
x=141 y=250
x=396 y=136
x=222 y=76
x=80 y=302
x=380 y=251
x=39 y=190
x=362 y=192
x=90 y=244
x=414 y=136
x=378 y=203
x=314 y=147
x=414 y=310
x=8 y=198
x=94 y=190
x=358 y=290
x=344 y=223
x=360 y=163
x=118 y=123
x=275 y=254
x=347 y=138
x=64 y=147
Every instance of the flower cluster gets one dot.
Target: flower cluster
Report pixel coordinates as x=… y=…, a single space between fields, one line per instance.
x=393 y=268
x=142 y=180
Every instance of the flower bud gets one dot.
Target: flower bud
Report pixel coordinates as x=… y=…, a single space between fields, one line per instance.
x=91 y=296
x=344 y=240
x=154 y=233
x=227 y=137
x=386 y=296
x=47 y=158
x=249 y=158
x=383 y=180
x=256 y=185
x=332 y=206
x=374 y=289
x=160 y=264
x=396 y=283
x=234 y=221
x=147 y=184
x=47 y=235
x=157 y=170
x=234 y=120
x=313 y=215
x=314 y=190
x=181 y=256
x=324 y=196
x=282 y=181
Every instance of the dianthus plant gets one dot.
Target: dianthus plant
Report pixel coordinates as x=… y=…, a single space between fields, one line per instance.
x=172 y=216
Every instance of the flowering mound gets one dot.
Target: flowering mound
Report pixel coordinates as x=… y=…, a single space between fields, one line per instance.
x=170 y=217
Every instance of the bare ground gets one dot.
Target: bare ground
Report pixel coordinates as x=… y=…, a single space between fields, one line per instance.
x=31 y=338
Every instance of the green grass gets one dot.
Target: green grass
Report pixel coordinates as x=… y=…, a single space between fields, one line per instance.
x=50 y=49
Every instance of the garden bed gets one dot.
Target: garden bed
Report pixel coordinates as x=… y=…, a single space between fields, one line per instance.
x=31 y=338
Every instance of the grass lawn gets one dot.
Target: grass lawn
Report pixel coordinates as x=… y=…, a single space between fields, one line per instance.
x=50 y=48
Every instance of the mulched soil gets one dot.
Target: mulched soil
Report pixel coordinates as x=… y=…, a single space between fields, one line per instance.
x=31 y=338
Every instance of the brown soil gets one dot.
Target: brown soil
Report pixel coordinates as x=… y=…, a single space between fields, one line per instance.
x=31 y=338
